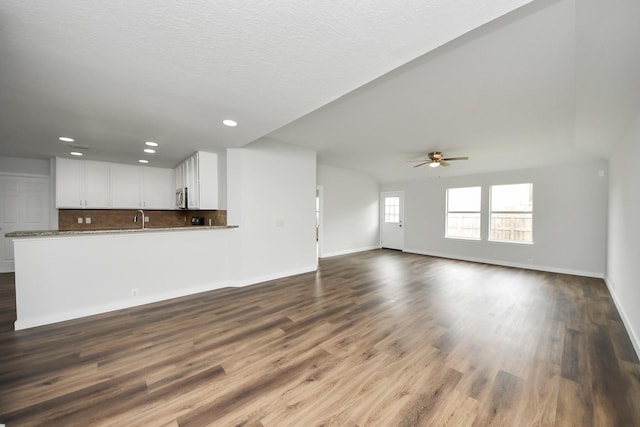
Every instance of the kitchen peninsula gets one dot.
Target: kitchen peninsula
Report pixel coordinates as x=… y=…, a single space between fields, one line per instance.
x=63 y=275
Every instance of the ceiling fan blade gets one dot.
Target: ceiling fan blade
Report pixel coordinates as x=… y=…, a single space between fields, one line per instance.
x=423 y=163
x=421 y=160
x=443 y=163
x=456 y=158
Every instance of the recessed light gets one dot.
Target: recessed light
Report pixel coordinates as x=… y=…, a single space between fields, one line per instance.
x=149 y=150
x=151 y=144
x=230 y=123
x=76 y=153
x=143 y=161
x=66 y=139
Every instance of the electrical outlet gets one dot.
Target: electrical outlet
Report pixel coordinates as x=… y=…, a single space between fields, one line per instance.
x=87 y=220
x=146 y=219
x=134 y=292
x=79 y=220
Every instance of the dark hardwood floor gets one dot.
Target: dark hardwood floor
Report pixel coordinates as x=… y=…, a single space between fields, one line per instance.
x=7 y=301
x=379 y=338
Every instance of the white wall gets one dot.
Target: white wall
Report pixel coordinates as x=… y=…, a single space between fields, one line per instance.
x=569 y=219
x=623 y=254
x=350 y=211
x=271 y=196
x=15 y=165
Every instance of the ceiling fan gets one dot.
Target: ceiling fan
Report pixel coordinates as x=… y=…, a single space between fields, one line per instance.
x=436 y=159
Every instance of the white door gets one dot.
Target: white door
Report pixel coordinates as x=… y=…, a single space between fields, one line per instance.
x=392 y=218
x=24 y=206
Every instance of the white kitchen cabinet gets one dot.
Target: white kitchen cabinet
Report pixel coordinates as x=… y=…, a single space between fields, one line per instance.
x=134 y=187
x=181 y=175
x=69 y=183
x=125 y=186
x=104 y=185
x=199 y=173
x=157 y=188
x=82 y=184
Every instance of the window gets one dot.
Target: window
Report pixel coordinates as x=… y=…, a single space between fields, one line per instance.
x=512 y=213
x=392 y=209
x=463 y=213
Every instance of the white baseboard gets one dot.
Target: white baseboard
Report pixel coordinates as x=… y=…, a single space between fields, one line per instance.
x=348 y=251
x=142 y=300
x=625 y=320
x=118 y=305
x=549 y=269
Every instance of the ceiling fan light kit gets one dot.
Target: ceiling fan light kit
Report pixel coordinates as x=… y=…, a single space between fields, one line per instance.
x=436 y=159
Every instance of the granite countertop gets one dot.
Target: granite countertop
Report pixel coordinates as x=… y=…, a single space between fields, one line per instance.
x=46 y=233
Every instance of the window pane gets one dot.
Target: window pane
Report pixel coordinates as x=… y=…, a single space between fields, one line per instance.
x=463 y=225
x=512 y=227
x=515 y=197
x=463 y=213
x=511 y=217
x=392 y=209
x=463 y=199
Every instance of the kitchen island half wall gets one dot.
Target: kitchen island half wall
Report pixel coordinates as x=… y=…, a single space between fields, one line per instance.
x=63 y=277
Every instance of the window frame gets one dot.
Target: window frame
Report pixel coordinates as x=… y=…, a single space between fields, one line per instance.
x=447 y=212
x=492 y=212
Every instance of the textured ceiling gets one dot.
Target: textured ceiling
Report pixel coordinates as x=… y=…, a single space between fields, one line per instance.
x=113 y=74
x=368 y=85
x=553 y=82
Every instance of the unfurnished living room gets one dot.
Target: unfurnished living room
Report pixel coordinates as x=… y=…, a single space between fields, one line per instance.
x=303 y=214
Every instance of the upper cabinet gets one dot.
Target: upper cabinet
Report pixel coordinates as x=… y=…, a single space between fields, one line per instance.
x=125 y=186
x=157 y=188
x=103 y=185
x=199 y=173
x=141 y=187
x=82 y=184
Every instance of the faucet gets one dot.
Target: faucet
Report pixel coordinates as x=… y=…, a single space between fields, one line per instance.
x=135 y=218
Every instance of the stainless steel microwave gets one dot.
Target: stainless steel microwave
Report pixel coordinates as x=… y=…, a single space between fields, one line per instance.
x=181 y=198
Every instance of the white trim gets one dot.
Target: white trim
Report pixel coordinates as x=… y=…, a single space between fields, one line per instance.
x=104 y=308
x=549 y=269
x=633 y=336
x=138 y=301
x=320 y=195
x=25 y=175
x=348 y=251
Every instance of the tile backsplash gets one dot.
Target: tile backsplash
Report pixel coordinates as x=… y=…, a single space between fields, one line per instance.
x=112 y=219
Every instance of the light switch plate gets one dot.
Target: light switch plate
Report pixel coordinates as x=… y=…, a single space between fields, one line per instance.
x=79 y=220
x=87 y=220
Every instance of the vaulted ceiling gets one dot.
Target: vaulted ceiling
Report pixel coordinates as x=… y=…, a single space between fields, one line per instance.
x=368 y=85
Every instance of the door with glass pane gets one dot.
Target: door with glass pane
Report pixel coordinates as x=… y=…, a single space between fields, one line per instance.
x=392 y=218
